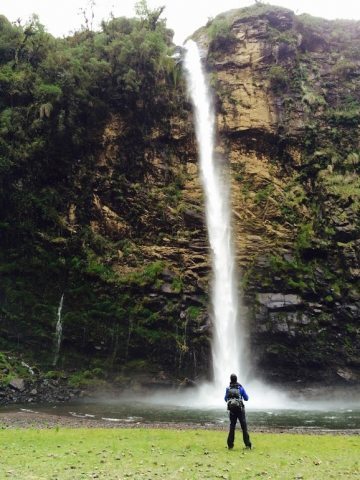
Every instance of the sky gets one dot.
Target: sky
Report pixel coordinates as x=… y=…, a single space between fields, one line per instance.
x=62 y=17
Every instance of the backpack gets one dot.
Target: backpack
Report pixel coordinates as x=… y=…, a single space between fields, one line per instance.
x=234 y=402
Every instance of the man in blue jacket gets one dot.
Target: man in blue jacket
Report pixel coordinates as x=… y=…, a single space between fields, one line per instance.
x=234 y=396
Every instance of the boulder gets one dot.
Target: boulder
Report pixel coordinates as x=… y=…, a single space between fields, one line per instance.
x=347 y=374
x=166 y=288
x=279 y=301
x=17 y=384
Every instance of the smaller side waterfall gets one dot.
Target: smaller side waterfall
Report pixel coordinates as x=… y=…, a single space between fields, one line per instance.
x=58 y=331
x=30 y=370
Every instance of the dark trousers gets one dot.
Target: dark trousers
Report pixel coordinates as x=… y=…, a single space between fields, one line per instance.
x=234 y=417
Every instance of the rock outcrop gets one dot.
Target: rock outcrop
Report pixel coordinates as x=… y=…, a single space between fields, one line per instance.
x=288 y=105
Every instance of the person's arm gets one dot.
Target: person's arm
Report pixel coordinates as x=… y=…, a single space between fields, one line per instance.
x=226 y=394
x=244 y=395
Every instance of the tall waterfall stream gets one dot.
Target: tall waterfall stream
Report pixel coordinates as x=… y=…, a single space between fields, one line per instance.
x=227 y=344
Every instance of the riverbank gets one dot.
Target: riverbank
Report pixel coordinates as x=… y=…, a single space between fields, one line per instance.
x=24 y=419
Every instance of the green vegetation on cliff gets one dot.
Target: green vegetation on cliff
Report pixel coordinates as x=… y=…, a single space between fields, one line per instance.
x=84 y=121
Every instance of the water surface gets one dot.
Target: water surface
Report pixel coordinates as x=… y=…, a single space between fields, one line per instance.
x=142 y=412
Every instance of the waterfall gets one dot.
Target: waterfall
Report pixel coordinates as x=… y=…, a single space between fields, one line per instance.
x=58 y=331
x=227 y=343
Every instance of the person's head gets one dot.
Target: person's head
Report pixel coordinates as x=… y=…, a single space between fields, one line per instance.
x=233 y=378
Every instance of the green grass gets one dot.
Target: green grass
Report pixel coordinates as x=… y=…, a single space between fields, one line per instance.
x=173 y=454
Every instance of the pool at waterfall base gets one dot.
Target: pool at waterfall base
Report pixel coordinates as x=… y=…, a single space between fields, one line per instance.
x=137 y=411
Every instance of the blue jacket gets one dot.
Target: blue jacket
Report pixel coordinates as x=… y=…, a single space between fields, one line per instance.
x=242 y=393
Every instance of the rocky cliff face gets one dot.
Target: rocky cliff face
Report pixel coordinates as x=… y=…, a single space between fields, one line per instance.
x=129 y=248
x=288 y=103
x=163 y=263
x=100 y=205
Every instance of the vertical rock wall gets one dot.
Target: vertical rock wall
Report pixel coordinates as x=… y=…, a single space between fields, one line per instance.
x=282 y=103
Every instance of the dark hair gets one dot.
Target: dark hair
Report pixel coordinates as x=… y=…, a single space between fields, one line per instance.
x=233 y=378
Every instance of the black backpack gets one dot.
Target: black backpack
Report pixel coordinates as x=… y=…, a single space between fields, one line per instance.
x=234 y=402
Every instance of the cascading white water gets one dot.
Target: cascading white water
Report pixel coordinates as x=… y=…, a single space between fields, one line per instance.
x=58 y=331
x=227 y=345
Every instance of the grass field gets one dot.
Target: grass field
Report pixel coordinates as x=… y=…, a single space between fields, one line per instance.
x=173 y=454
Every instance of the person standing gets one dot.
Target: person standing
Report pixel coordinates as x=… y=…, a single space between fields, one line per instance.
x=234 y=396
